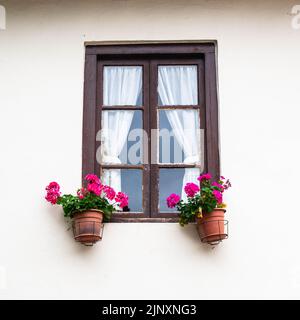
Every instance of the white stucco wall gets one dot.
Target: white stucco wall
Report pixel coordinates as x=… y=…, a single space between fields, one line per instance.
x=41 y=94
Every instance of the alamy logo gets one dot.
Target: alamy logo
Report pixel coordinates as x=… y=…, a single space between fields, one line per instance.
x=296 y=17
x=2 y=18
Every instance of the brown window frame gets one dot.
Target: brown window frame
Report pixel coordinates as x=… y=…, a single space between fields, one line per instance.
x=149 y=55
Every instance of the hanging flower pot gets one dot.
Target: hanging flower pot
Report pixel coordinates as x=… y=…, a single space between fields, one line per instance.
x=212 y=227
x=92 y=204
x=203 y=202
x=88 y=226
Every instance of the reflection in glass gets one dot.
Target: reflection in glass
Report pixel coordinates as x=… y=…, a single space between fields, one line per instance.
x=170 y=181
x=128 y=181
x=121 y=137
x=179 y=136
x=173 y=181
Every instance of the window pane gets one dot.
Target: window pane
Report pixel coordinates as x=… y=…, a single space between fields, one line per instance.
x=177 y=85
x=179 y=136
x=173 y=181
x=122 y=86
x=128 y=181
x=121 y=137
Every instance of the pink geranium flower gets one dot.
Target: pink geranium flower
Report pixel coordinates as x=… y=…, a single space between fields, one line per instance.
x=206 y=176
x=94 y=184
x=191 y=189
x=172 y=200
x=218 y=195
x=216 y=184
x=53 y=186
x=92 y=178
x=92 y=195
x=81 y=193
x=52 y=197
x=53 y=192
x=110 y=192
x=94 y=188
x=122 y=199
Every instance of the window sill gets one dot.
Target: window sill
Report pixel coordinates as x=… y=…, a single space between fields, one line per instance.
x=142 y=220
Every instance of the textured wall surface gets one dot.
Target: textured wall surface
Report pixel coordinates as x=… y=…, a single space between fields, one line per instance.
x=41 y=95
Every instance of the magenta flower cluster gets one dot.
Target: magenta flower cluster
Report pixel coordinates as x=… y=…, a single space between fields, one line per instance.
x=110 y=192
x=81 y=193
x=122 y=199
x=53 y=192
x=218 y=195
x=172 y=200
x=191 y=189
x=94 y=186
x=218 y=185
x=206 y=176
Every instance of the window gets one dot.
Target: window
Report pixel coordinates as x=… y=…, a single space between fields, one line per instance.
x=150 y=121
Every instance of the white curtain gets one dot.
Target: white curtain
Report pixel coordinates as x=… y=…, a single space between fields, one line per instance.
x=177 y=85
x=122 y=86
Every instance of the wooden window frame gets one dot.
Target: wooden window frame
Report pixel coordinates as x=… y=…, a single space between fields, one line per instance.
x=96 y=55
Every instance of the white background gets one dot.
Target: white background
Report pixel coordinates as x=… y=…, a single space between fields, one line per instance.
x=41 y=99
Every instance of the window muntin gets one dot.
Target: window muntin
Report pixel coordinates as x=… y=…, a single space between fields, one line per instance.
x=122 y=98
x=178 y=84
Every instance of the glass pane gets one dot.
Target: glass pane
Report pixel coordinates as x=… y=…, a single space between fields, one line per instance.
x=128 y=181
x=172 y=181
x=122 y=86
x=177 y=85
x=121 y=137
x=179 y=136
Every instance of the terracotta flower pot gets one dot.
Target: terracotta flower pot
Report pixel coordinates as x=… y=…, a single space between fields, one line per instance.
x=211 y=226
x=87 y=226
